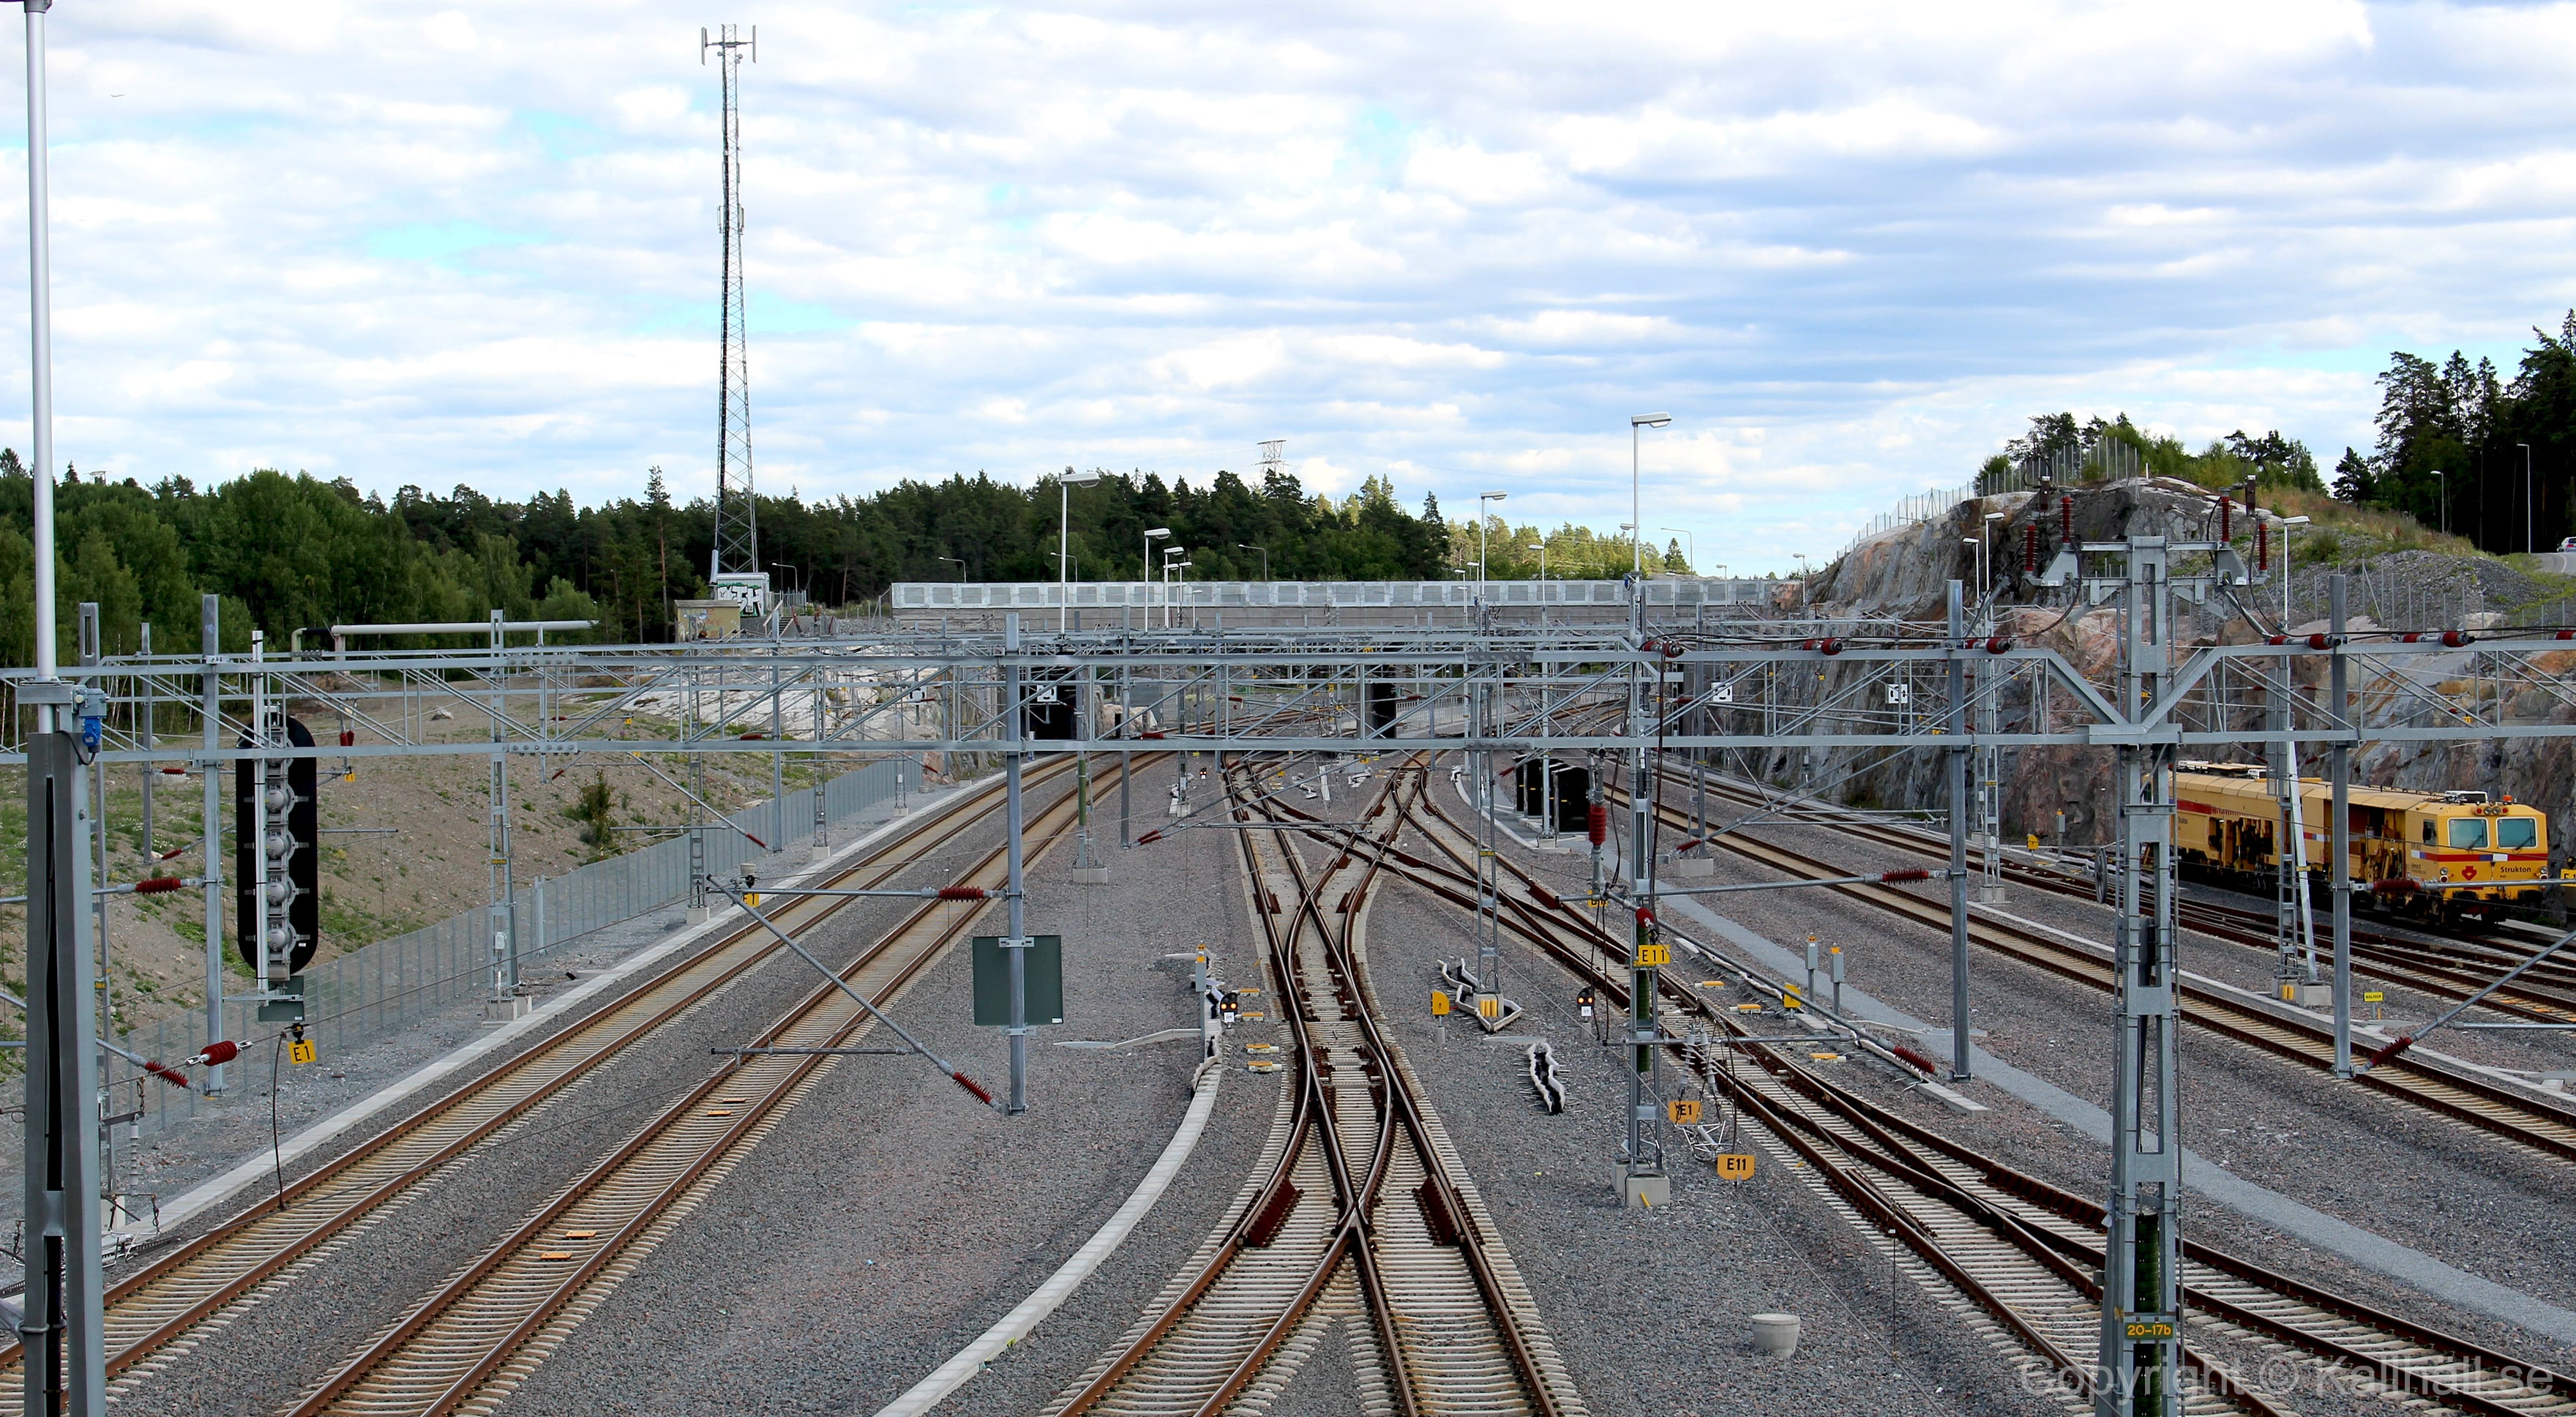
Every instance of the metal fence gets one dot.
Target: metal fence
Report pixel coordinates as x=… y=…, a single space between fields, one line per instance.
x=371 y=993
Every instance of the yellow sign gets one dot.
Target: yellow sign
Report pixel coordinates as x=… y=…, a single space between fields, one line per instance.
x=2034 y=841
x=1789 y=996
x=1684 y=1111
x=1654 y=956
x=2150 y=1328
x=2373 y=996
x=1488 y=1006
x=1735 y=1166
x=300 y=1052
x=1440 y=1003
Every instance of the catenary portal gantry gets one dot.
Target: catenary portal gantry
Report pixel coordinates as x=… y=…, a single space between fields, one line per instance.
x=1623 y=697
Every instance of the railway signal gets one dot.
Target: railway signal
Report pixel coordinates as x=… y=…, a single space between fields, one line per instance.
x=277 y=862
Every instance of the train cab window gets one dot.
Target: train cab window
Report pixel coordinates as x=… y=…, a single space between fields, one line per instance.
x=2428 y=831
x=2517 y=833
x=2468 y=833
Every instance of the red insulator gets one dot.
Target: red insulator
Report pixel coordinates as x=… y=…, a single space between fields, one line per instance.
x=349 y=737
x=1156 y=734
x=1915 y=1060
x=1646 y=647
x=2566 y=635
x=963 y=893
x=158 y=884
x=2404 y=1042
x=2000 y=644
x=1645 y=915
x=1596 y=821
x=2066 y=520
x=1152 y=836
x=166 y=1073
x=217 y=1053
x=2457 y=639
x=2277 y=640
x=751 y=738
x=2226 y=521
x=2320 y=642
x=173 y=851
x=1829 y=647
x=176 y=772
x=2030 y=548
x=2262 y=546
x=2410 y=637
x=969 y=1084
x=1806 y=644
x=1904 y=874
x=2399 y=885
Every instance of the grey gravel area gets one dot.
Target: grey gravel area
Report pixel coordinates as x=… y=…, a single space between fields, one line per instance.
x=2473 y=1200
x=278 y=1346
x=1652 y=1309
x=891 y=1221
x=181 y=1149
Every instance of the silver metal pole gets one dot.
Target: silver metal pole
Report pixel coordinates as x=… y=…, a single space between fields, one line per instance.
x=1958 y=766
x=209 y=645
x=2339 y=775
x=40 y=341
x=64 y=1318
x=1015 y=946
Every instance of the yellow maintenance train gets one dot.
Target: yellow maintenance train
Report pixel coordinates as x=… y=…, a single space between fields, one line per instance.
x=2439 y=854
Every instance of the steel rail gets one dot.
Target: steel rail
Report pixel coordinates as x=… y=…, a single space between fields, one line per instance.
x=155 y=1305
x=1565 y=937
x=423 y=1364
x=2456 y=1094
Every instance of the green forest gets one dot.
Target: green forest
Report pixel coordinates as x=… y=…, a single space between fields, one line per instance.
x=295 y=552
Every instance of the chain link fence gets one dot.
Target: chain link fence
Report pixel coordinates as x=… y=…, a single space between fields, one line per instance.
x=372 y=993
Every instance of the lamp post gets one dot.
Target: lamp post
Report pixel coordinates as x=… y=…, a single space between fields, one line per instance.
x=2442 y=499
x=1168 y=553
x=1481 y=499
x=1145 y=568
x=960 y=565
x=1690 y=546
x=1265 y=556
x=1636 y=499
x=1064 y=530
x=1541 y=548
x=2530 y=529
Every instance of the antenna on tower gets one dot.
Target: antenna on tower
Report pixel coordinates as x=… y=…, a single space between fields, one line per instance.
x=1274 y=456
x=737 y=529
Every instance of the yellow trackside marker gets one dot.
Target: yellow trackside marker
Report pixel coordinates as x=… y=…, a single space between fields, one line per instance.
x=733 y=1101
x=555 y=1255
x=720 y=1112
x=2373 y=996
x=1824 y=1057
x=300 y=1052
x=1440 y=1003
x=2034 y=841
x=1654 y=956
x=1487 y=1006
x=754 y=898
x=1712 y=984
x=581 y=1234
x=1748 y=1008
x=1684 y=1111
x=1789 y=996
x=1735 y=1166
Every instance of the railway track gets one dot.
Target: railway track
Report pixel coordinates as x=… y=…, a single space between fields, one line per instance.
x=2446 y=967
x=2457 y=1093
x=2021 y=1249
x=1358 y=1207
x=157 y=1312
x=486 y=1329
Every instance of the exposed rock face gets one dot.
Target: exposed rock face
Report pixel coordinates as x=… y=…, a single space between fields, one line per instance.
x=1899 y=583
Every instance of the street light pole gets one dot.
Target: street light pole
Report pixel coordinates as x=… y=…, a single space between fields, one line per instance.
x=1265 y=556
x=2530 y=528
x=960 y=565
x=1690 y=545
x=1481 y=499
x=1064 y=529
x=2442 y=500
x=1636 y=498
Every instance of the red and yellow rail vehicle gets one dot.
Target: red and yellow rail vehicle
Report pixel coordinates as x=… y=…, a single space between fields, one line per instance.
x=2442 y=855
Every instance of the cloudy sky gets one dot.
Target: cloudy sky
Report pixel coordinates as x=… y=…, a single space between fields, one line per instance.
x=1849 y=246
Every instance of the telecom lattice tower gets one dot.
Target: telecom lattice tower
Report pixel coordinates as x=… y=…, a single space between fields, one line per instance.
x=737 y=531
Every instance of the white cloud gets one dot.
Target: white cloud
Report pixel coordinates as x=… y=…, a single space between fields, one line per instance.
x=1851 y=245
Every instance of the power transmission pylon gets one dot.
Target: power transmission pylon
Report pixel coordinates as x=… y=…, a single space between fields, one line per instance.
x=737 y=538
